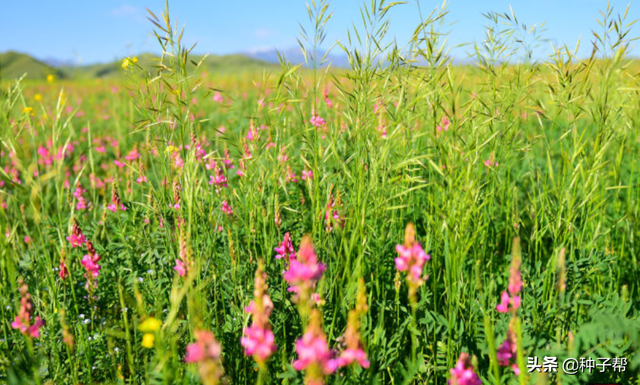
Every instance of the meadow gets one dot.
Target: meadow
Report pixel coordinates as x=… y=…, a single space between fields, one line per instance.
x=406 y=221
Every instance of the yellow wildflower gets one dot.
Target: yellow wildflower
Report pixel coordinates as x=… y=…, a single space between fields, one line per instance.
x=172 y=149
x=150 y=325
x=28 y=111
x=129 y=61
x=50 y=78
x=148 y=340
x=38 y=98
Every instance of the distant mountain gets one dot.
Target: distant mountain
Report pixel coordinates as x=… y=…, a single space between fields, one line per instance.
x=295 y=56
x=212 y=64
x=55 y=62
x=15 y=64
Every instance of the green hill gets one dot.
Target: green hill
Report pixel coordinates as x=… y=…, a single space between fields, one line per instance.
x=213 y=64
x=14 y=64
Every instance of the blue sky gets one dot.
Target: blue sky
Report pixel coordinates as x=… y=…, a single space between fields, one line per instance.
x=98 y=31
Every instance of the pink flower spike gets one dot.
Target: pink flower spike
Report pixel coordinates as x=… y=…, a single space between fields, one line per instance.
x=206 y=351
x=515 y=302
x=226 y=208
x=34 y=330
x=180 y=267
x=286 y=250
x=249 y=308
x=463 y=373
x=22 y=321
x=503 y=306
x=307 y=175
x=349 y=356
x=217 y=97
x=76 y=240
x=412 y=259
x=195 y=353
x=258 y=341
x=312 y=349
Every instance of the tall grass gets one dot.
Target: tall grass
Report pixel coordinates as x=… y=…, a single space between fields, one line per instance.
x=509 y=159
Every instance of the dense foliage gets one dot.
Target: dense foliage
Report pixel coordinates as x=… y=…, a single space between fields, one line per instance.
x=141 y=218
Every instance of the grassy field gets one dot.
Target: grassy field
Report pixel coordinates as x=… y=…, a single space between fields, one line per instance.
x=405 y=221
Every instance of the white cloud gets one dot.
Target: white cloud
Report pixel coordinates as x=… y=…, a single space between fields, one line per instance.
x=124 y=11
x=264 y=33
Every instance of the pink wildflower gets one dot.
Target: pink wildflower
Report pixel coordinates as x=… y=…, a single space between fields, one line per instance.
x=76 y=238
x=314 y=354
x=227 y=159
x=207 y=353
x=307 y=174
x=176 y=196
x=79 y=195
x=258 y=342
x=252 y=134
x=180 y=267
x=133 y=154
x=332 y=218
x=444 y=124
x=258 y=339
x=283 y=156
x=22 y=322
x=325 y=95
x=226 y=208
x=328 y=102
x=511 y=300
x=377 y=106
x=317 y=121
x=348 y=356
x=219 y=180
x=64 y=271
x=286 y=250
x=304 y=271
x=412 y=258
x=355 y=351
x=115 y=204
x=508 y=351
x=45 y=156
x=490 y=162
x=247 y=151
x=90 y=263
x=290 y=176
x=217 y=97
x=463 y=373
x=178 y=163
x=241 y=169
